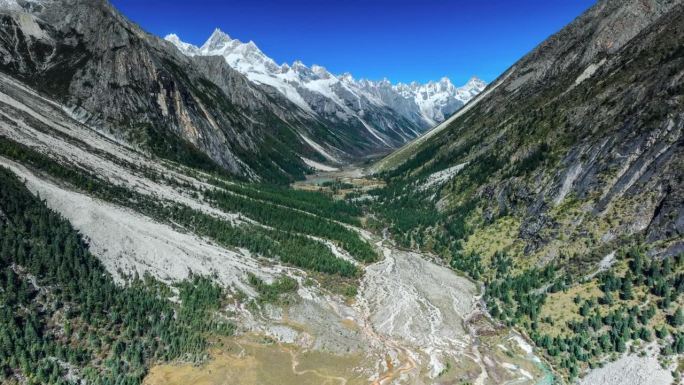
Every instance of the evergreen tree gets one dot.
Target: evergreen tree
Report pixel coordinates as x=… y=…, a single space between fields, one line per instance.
x=626 y=291
x=678 y=318
x=678 y=344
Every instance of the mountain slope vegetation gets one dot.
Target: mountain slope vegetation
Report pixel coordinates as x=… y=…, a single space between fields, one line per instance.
x=574 y=155
x=63 y=316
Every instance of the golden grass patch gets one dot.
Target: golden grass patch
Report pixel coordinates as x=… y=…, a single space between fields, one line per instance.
x=246 y=361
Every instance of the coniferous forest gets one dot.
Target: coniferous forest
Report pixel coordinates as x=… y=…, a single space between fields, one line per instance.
x=61 y=311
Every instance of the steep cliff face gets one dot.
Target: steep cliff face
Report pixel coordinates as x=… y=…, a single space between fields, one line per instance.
x=592 y=118
x=139 y=89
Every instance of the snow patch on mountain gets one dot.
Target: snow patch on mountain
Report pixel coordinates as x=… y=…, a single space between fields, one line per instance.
x=320 y=150
x=318 y=166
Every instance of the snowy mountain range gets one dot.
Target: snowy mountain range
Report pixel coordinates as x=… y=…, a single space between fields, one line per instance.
x=323 y=94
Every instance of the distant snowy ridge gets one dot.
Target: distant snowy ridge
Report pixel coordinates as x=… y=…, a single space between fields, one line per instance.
x=321 y=93
x=435 y=100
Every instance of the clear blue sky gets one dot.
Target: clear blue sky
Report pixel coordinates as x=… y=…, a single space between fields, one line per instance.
x=402 y=40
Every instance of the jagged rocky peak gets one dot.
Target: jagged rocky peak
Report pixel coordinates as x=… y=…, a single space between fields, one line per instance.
x=347 y=77
x=217 y=40
x=186 y=48
x=476 y=83
x=321 y=71
x=174 y=39
x=301 y=68
x=312 y=88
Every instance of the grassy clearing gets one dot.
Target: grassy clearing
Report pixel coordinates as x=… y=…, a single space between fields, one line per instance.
x=253 y=360
x=561 y=307
x=502 y=235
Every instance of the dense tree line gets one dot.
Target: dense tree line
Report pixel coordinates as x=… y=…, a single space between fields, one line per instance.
x=289 y=220
x=469 y=263
x=313 y=202
x=405 y=211
x=408 y=208
x=61 y=311
x=295 y=249
x=515 y=298
x=291 y=248
x=272 y=292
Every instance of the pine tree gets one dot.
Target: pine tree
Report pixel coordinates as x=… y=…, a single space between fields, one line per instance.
x=620 y=345
x=678 y=318
x=645 y=334
x=665 y=303
x=661 y=332
x=626 y=292
x=678 y=345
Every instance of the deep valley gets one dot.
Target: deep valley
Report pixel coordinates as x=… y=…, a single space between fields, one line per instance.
x=172 y=215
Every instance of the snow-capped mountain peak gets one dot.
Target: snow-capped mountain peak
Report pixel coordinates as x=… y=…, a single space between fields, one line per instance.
x=186 y=48
x=340 y=98
x=346 y=77
x=321 y=71
x=436 y=100
x=473 y=87
x=475 y=82
x=217 y=40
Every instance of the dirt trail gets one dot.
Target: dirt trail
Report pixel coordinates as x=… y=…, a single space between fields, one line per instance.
x=327 y=378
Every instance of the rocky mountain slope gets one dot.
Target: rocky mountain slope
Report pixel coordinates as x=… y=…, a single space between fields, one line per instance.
x=342 y=98
x=196 y=110
x=574 y=154
x=594 y=114
x=137 y=88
